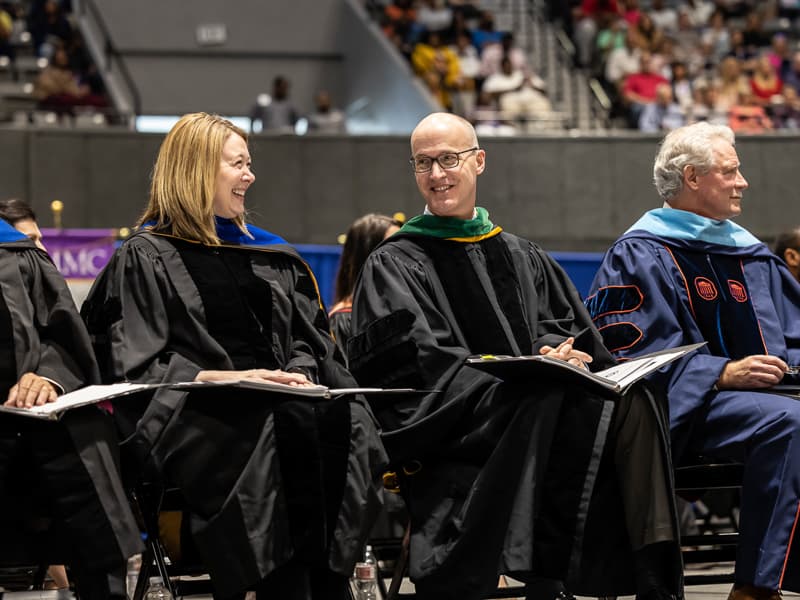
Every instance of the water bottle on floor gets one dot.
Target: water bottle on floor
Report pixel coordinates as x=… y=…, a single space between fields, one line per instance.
x=134 y=566
x=366 y=576
x=157 y=590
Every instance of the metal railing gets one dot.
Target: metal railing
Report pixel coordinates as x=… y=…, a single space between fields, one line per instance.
x=111 y=58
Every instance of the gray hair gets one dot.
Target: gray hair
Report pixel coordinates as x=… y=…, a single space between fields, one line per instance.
x=689 y=145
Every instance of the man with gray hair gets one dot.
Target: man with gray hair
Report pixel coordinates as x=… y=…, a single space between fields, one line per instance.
x=685 y=273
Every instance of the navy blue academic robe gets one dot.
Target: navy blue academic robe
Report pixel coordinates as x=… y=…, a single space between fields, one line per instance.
x=677 y=278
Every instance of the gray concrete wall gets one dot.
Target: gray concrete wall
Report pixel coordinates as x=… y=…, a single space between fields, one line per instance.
x=567 y=193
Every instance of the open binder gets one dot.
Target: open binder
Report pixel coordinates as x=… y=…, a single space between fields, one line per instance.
x=610 y=382
x=91 y=394
x=94 y=394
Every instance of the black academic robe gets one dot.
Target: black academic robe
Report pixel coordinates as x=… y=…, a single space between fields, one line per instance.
x=265 y=479
x=498 y=477
x=340 y=327
x=71 y=464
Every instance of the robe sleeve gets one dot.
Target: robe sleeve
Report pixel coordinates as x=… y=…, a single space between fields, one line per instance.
x=641 y=305
x=64 y=353
x=400 y=338
x=128 y=314
x=309 y=345
x=561 y=314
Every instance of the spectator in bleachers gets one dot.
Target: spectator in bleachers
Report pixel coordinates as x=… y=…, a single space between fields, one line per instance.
x=793 y=74
x=786 y=114
x=434 y=15
x=458 y=27
x=717 y=35
x=730 y=84
x=698 y=11
x=765 y=82
x=780 y=54
x=326 y=118
x=662 y=115
x=682 y=86
x=664 y=17
x=610 y=37
x=469 y=65
x=399 y=25
x=753 y=34
x=630 y=12
x=623 y=61
x=468 y=60
x=494 y=52
x=487 y=119
x=639 y=89
x=587 y=18
x=276 y=113
x=437 y=65
x=57 y=87
x=787 y=247
x=704 y=107
x=664 y=56
x=650 y=36
x=744 y=53
x=466 y=9
x=485 y=33
x=519 y=95
x=687 y=38
x=748 y=115
x=49 y=26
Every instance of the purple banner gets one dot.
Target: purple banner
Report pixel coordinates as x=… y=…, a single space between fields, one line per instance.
x=80 y=253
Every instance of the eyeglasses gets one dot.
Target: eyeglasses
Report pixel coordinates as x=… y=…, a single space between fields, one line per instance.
x=448 y=160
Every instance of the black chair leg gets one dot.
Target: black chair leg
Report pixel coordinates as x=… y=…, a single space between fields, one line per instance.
x=149 y=502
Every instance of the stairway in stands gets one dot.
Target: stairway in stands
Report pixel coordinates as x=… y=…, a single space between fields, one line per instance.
x=573 y=93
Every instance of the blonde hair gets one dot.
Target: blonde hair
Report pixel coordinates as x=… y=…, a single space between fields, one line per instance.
x=185 y=177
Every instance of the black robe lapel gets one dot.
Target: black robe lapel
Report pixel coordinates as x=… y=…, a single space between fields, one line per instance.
x=476 y=315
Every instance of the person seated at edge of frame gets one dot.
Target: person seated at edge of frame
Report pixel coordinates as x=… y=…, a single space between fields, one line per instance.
x=280 y=489
x=65 y=471
x=21 y=217
x=686 y=273
x=361 y=238
x=538 y=480
x=787 y=247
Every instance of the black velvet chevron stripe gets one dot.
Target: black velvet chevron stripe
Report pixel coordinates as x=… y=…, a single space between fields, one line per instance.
x=476 y=315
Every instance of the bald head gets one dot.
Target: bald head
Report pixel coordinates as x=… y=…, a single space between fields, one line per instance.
x=444 y=125
x=449 y=190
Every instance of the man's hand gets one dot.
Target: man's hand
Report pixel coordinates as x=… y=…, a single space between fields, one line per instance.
x=752 y=372
x=31 y=390
x=567 y=353
x=276 y=376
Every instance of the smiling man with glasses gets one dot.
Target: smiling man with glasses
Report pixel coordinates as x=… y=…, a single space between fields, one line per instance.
x=498 y=476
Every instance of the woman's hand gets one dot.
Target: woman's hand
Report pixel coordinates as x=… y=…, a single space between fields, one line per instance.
x=564 y=351
x=31 y=390
x=276 y=376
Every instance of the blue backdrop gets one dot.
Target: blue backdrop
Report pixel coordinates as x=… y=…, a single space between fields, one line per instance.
x=324 y=261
